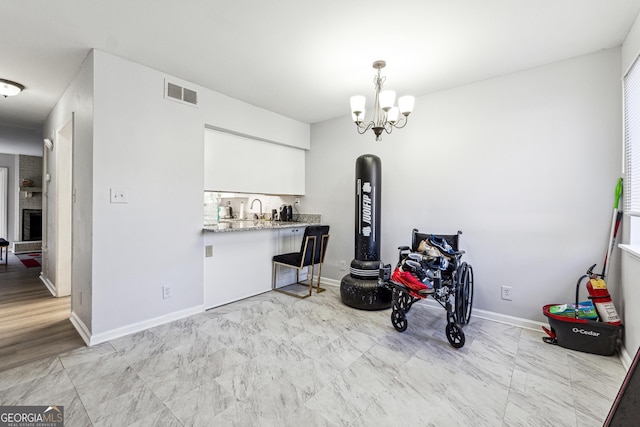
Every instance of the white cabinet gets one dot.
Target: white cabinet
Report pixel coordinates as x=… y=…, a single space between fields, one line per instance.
x=240 y=265
x=240 y=164
x=290 y=240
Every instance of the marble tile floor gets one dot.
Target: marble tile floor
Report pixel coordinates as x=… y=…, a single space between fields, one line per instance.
x=273 y=360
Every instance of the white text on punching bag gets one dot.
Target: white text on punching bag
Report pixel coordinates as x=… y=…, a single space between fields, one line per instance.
x=366 y=209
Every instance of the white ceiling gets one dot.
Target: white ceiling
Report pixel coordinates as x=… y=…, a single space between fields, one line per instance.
x=303 y=59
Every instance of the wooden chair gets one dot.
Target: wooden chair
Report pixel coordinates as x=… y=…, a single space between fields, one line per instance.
x=312 y=252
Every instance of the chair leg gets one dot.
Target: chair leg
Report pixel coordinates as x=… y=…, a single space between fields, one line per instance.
x=282 y=291
x=311 y=280
x=273 y=278
x=318 y=288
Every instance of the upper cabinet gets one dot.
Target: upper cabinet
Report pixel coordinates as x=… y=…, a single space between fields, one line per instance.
x=240 y=164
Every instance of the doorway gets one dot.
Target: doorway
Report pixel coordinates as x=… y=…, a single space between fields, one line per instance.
x=57 y=232
x=35 y=324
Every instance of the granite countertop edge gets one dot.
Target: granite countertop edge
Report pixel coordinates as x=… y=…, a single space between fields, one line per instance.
x=214 y=228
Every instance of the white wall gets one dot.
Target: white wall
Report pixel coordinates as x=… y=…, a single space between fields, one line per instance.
x=153 y=149
x=223 y=112
x=523 y=164
x=20 y=141
x=128 y=137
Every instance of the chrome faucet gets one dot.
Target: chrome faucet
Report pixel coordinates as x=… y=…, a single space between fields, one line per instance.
x=259 y=201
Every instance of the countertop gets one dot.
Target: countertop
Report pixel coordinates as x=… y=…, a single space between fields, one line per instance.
x=251 y=225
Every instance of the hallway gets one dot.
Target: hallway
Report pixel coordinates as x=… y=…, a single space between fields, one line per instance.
x=34 y=324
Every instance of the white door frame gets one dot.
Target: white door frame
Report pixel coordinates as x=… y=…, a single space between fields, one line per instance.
x=4 y=202
x=57 y=234
x=46 y=178
x=64 y=209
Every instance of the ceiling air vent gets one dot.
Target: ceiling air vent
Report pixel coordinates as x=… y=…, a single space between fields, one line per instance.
x=180 y=94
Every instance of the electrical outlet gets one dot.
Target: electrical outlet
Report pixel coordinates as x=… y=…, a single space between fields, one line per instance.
x=119 y=196
x=343 y=265
x=166 y=291
x=506 y=293
x=297 y=201
x=208 y=251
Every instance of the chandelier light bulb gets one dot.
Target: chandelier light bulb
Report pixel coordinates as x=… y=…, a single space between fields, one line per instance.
x=358 y=117
x=357 y=104
x=405 y=104
x=392 y=115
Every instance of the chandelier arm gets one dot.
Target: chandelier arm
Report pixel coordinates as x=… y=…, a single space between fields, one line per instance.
x=362 y=129
x=401 y=123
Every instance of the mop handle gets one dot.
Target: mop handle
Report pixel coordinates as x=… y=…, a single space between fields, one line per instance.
x=615 y=223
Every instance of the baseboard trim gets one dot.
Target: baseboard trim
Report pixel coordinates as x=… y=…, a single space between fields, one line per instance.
x=82 y=329
x=48 y=284
x=533 y=325
x=496 y=317
x=625 y=358
x=329 y=282
x=141 y=326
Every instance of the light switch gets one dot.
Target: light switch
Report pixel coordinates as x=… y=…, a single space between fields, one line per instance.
x=119 y=196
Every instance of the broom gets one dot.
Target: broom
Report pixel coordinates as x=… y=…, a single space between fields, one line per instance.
x=615 y=225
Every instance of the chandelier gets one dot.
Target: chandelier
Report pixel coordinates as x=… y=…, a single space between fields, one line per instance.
x=385 y=114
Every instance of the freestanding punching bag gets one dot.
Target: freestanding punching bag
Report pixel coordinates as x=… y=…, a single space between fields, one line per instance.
x=360 y=289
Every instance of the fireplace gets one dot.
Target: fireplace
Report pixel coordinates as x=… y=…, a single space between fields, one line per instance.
x=31 y=225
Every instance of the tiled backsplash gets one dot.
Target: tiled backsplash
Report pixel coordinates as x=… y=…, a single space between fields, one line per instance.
x=242 y=202
x=309 y=218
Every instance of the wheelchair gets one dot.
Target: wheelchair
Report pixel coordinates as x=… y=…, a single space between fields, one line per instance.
x=421 y=272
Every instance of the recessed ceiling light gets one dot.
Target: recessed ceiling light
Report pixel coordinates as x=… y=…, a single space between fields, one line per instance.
x=9 y=88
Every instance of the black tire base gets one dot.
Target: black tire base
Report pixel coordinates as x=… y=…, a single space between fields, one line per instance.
x=364 y=294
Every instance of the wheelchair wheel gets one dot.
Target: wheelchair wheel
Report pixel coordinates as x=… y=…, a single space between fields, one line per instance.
x=455 y=335
x=464 y=293
x=467 y=293
x=405 y=302
x=398 y=320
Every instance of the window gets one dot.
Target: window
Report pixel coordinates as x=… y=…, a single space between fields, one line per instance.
x=631 y=88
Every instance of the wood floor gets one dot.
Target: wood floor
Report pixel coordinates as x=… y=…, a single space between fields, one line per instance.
x=33 y=324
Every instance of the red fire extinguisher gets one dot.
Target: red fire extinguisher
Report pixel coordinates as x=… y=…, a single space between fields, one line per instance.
x=598 y=293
